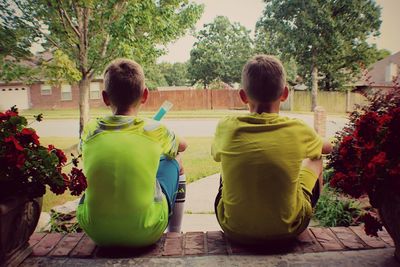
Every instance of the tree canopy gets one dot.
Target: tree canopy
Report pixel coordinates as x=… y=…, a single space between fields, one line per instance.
x=176 y=74
x=90 y=33
x=327 y=38
x=220 y=52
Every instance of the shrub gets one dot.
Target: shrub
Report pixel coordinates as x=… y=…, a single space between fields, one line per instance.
x=335 y=210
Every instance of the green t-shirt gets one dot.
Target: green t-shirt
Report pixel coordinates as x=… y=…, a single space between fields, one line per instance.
x=260 y=157
x=123 y=203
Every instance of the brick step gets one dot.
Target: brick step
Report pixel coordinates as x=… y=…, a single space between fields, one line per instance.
x=314 y=239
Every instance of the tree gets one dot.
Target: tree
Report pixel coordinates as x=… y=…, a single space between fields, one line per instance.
x=93 y=32
x=263 y=44
x=220 y=52
x=154 y=77
x=175 y=74
x=327 y=37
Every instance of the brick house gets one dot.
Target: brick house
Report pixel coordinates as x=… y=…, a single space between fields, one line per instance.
x=381 y=75
x=44 y=96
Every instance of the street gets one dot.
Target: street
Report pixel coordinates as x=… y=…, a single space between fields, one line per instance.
x=183 y=127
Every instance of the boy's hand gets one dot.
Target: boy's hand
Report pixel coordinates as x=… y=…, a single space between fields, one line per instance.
x=327 y=147
x=182 y=145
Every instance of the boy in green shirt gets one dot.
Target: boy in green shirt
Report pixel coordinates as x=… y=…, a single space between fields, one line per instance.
x=131 y=166
x=270 y=164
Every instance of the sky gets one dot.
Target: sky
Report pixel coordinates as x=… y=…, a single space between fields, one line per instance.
x=247 y=12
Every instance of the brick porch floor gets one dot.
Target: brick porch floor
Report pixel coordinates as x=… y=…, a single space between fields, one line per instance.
x=78 y=245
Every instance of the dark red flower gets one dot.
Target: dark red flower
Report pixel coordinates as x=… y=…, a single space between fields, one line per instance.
x=30 y=167
x=371 y=224
x=62 y=159
x=15 y=142
x=78 y=181
x=20 y=160
x=31 y=134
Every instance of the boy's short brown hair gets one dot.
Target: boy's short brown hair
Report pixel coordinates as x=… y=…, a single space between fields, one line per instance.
x=264 y=78
x=124 y=82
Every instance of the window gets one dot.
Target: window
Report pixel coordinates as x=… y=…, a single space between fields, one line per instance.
x=94 y=90
x=66 y=92
x=45 y=89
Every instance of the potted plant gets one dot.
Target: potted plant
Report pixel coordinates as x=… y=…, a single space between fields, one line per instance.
x=26 y=169
x=366 y=160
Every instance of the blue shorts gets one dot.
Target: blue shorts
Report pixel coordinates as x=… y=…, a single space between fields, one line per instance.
x=168 y=178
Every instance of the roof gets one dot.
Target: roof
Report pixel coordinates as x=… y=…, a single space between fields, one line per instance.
x=379 y=72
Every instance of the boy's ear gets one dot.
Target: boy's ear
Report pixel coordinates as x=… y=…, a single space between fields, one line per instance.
x=106 y=99
x=145 y=95
x=243 y=96
x=285 y=94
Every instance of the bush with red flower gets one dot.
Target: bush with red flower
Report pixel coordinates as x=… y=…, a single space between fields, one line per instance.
x=366 y=157
x=27 y=167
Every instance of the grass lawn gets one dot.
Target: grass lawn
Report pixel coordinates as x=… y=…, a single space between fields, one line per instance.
x=97 y=112
x=197 y=162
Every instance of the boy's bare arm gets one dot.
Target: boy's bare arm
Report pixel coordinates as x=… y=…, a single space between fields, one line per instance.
x=327 y=147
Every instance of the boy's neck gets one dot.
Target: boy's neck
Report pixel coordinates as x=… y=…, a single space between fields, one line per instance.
x=264 y=107
x=131 y=111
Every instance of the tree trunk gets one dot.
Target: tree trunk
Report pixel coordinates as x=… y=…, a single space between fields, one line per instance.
x=314 y=86
x=83 y=103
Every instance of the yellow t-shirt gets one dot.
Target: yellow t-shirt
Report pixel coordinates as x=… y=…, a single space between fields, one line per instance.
x=261 y=155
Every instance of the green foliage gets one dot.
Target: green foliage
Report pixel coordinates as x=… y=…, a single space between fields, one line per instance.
x=330 y=36
x=327 y=174
x=11 y=70
x=60 y=68
x=154 y=77
x=220 y=52
x=64 y=223
x=89 y=34
x=334 y=210
x=217 y=84
x=175 y=74
x=382 y=53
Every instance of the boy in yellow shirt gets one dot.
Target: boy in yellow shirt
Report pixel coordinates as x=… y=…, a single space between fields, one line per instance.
x=130 y=166
x=270 y=164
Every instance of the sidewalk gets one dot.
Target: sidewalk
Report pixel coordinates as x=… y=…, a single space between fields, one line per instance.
x=199 y=205
x=336 y=246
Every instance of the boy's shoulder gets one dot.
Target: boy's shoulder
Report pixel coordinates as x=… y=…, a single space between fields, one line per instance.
x=254 y=118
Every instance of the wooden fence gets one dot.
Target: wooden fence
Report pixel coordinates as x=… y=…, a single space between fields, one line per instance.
x=333 y=102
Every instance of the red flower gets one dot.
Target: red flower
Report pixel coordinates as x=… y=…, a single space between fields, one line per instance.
x=15 y=142
x=58 y=189
x=77 y=182
x=20 y=160
x=62 y=159
x=367 y=156
x=31 y=134
x=371 y=224
x=379 y=161
x=28 y=166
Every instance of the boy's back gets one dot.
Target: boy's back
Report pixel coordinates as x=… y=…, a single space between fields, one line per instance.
x=121 y=156
x=269 y=165
x=131 y=167
x=261 y=155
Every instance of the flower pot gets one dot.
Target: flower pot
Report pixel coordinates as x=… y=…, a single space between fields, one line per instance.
x=389 y=211
x=18 y=220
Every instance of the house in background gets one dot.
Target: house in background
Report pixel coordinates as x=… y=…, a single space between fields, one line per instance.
x=44 y=96
x=381 y=75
